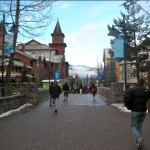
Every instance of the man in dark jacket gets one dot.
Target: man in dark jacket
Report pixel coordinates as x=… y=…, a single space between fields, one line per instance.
x=136 y=101
x=94 y=90
x=65 y=89
x=55 y=91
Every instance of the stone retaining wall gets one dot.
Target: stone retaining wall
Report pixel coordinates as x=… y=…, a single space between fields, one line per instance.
x=29 y=93
x=114 y=94
x=11 y=102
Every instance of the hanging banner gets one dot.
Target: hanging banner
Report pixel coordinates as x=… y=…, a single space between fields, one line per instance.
x=56 y=75
x=99 y=75
x=8 y=44
x=119 y=48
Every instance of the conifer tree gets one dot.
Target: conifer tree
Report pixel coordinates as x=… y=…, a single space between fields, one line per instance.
x=132 y=27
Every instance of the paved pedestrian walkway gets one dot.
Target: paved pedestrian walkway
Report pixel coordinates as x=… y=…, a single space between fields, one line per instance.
x=80 y=124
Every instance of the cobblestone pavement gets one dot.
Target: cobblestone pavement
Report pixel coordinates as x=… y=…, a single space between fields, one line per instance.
x=80 y=124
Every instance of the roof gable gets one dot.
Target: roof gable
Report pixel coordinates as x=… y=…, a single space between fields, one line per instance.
x=33 y=42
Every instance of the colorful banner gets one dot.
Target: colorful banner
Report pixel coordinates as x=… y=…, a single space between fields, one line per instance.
x=56 y=75
x=119 y=48
x=8 y=44
x=99 y=75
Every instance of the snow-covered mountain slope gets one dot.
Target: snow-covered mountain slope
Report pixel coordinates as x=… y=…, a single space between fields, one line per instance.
x=82 y=71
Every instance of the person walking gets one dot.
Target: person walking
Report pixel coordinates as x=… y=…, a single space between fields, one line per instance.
x=80 y=89
x=136 y=101
x=94 y=90
x=88 y=89
x=75 y=87
x=66 y=90
x=55 y=91
x=51 y=102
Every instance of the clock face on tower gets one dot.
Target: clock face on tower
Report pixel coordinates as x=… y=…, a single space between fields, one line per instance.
x=57 y=39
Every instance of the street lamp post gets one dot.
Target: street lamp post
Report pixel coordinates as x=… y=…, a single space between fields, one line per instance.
x=49 y=66
x=3 y=31
x=125 y=65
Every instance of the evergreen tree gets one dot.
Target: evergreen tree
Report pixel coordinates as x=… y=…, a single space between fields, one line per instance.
x=132 y=28
x=110 y=74
x=110 y=70
x=140 y=30
x=23 y=75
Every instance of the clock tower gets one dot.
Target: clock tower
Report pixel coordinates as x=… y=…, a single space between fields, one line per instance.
x=58 y=40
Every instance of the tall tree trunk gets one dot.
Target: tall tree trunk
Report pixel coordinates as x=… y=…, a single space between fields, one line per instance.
x=10 y=64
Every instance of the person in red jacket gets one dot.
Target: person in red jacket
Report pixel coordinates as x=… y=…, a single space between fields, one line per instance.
x=136 y=101
x=88 y=89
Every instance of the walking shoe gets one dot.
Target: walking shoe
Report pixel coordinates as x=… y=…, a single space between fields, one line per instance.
x=139 y=143
x=55 y=110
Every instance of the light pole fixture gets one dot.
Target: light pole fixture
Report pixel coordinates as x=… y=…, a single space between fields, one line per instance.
x=3 y=41
x=125 y=61
x=49 y=66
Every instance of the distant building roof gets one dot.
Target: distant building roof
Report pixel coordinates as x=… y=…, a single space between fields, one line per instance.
x=27 y=54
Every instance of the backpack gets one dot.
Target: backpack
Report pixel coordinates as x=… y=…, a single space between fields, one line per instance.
x=127 y=100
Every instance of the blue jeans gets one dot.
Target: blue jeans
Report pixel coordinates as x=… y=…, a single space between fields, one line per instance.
x=137 y=119
x=55 y=103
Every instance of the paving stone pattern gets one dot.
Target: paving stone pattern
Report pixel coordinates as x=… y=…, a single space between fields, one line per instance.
x=80 y=124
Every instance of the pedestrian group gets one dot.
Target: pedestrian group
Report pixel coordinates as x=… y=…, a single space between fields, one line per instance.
x=55 y=90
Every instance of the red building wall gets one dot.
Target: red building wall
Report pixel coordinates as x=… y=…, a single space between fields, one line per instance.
x=59 y=47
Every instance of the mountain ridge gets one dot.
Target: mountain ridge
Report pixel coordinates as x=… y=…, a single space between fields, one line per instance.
x=82 y=71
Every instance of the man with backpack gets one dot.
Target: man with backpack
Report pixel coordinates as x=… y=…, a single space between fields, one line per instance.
x=136 y=100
